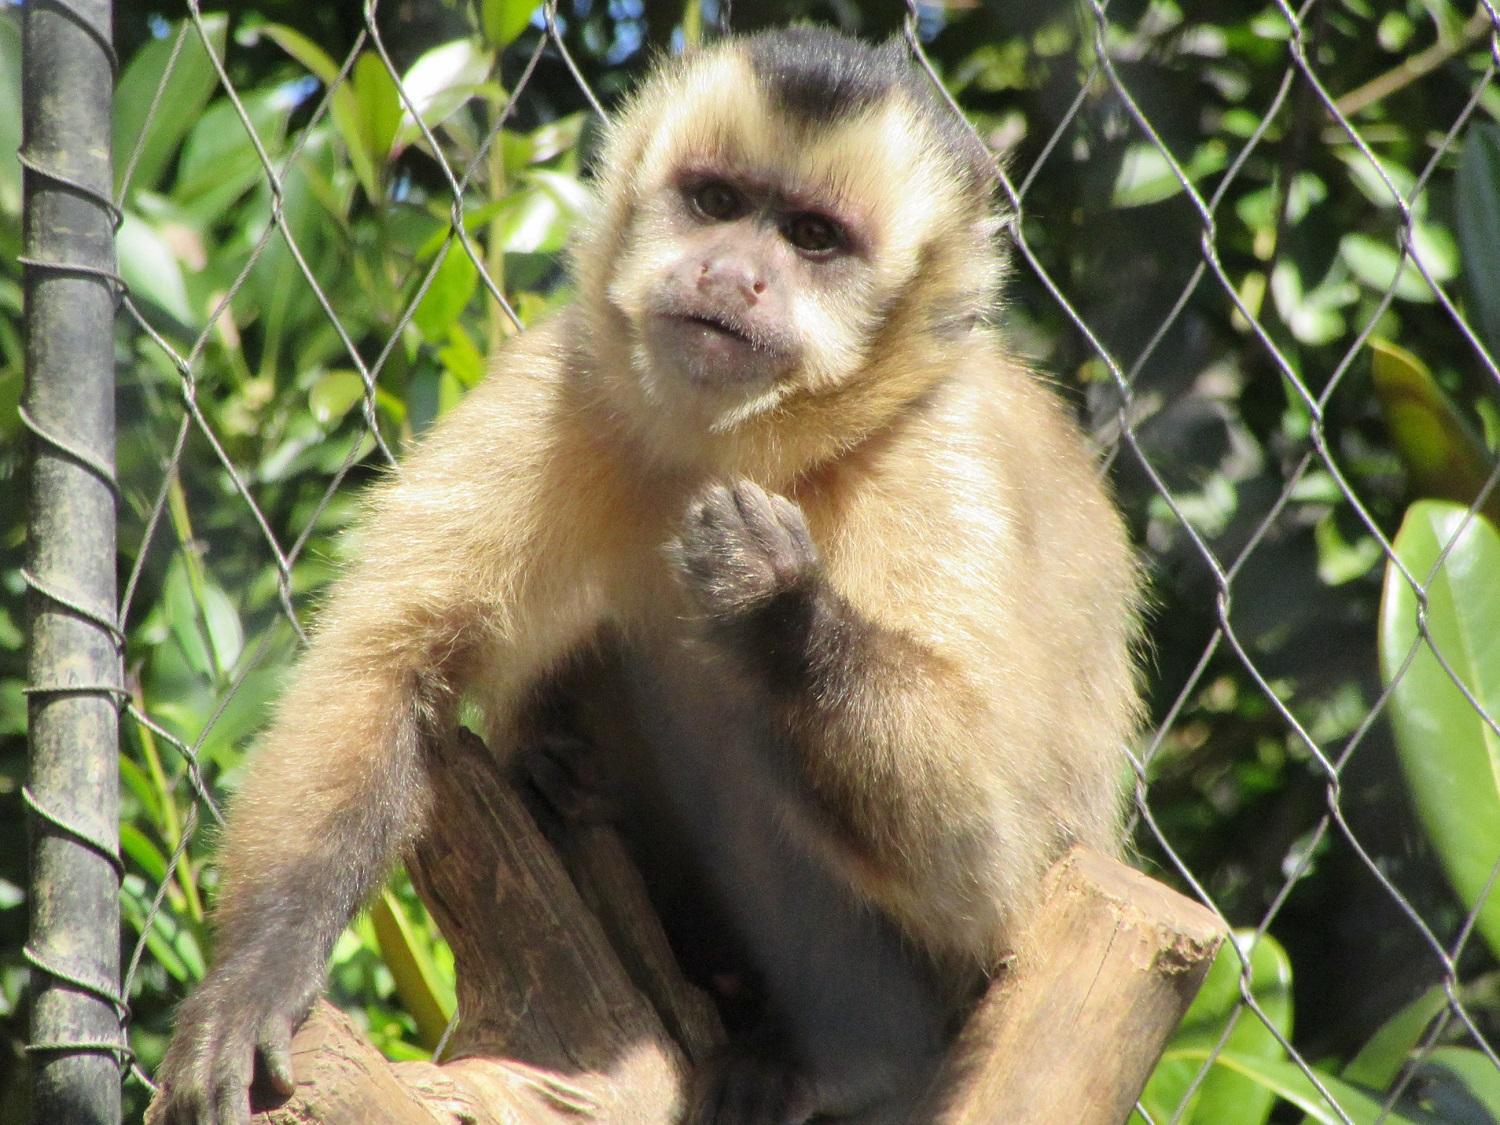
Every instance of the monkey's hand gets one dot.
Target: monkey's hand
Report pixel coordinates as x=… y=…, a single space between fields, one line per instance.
x=206 y=1074
x=740 y=548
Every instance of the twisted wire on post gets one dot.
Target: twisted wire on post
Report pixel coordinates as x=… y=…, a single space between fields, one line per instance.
x=67 y=107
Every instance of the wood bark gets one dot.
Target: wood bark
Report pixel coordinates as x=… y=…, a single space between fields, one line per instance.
x=572 y=1008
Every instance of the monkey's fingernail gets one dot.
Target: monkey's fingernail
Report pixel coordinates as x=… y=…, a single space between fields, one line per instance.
x=279 y=1071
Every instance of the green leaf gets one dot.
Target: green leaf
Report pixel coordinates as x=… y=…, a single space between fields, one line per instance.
x=203 y=620
x=1444 y=455
x=1146 y=175
x=379 y=105
x=502 y=21
x=247 y=707
x=188 y=87
x=1341 y=560
x=1164 y=1092
x=1381 y=266
x=219 y=162
x=139 y=782
x=225 y=633
x=1226 y=1095
x=562 y=135
x=182 y=617
x=533 y=221
x=317 y=61
x=1312 y=315
x=1286 y=1080
x=135 y=844
x=171 y=941
x=452 y=286
x=1381 y=1058
x=10 y=113
x=1449 y=753
x=151 y=268
x=1459 y=1085
x=418 y=982
x=461 y=357
x=348 y=114
x=1477 y=191
x=440 y=81
x=334 y=395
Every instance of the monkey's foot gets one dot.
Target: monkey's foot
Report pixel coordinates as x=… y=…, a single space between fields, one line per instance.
x=560 y=781
x=746 y=1085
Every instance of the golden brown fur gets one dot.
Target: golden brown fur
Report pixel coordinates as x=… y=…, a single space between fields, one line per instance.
x=957 y=520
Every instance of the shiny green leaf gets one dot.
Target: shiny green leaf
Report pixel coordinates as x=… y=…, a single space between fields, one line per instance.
x=1288 y=1081
x=225 y=633
x=138 y=847
x=1226 y=1096
x=1381 y=1058
x=439 y=82
x=151 y=268
x=182 y=616
x=1449 y=751
x=379 y=106
x=1444 y=455
x=502 y=21
x=1147 y=176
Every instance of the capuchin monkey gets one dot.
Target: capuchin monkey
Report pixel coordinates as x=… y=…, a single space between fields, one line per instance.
x=774 y=479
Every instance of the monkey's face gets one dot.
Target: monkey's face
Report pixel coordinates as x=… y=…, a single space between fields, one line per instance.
x=733 y=276
x=756 y=257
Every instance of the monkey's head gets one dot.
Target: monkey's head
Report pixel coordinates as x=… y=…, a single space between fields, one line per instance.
x=788 y=222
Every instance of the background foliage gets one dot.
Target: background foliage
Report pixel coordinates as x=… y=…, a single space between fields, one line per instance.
x=1283 y=332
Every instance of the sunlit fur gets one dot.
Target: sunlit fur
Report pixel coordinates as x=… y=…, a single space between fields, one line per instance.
x=955 y=507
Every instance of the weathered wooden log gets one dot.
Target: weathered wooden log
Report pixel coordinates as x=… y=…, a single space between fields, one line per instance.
x=572 y=1008
x=1074 y=1027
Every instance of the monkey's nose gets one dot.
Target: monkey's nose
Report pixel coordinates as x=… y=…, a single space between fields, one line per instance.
x=726 y=279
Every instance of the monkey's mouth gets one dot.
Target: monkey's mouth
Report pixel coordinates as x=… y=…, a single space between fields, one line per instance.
x=715 y=350
x=723 y=328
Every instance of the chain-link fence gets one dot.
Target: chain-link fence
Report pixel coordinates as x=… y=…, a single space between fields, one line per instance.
x=1258 y=243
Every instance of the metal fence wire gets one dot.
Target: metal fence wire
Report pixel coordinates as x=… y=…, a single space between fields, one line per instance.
x=314 y=266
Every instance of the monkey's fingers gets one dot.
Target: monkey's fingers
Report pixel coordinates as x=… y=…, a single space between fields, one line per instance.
x=231 y=1105
x=778 y=528
x=744 y=1087
x=275 y=1046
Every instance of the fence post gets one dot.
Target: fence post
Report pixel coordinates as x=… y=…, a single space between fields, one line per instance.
x=77 y=1040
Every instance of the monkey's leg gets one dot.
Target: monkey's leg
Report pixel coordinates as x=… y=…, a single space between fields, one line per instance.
x=852 y=1016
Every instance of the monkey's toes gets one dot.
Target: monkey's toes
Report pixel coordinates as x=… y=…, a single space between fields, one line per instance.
x=562 y=783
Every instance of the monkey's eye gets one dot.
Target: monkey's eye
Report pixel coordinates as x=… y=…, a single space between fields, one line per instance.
x=814 y=234
x=716 y=200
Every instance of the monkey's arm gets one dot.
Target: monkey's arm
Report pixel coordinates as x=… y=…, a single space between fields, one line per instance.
x=468 y=559
x=890 y=742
